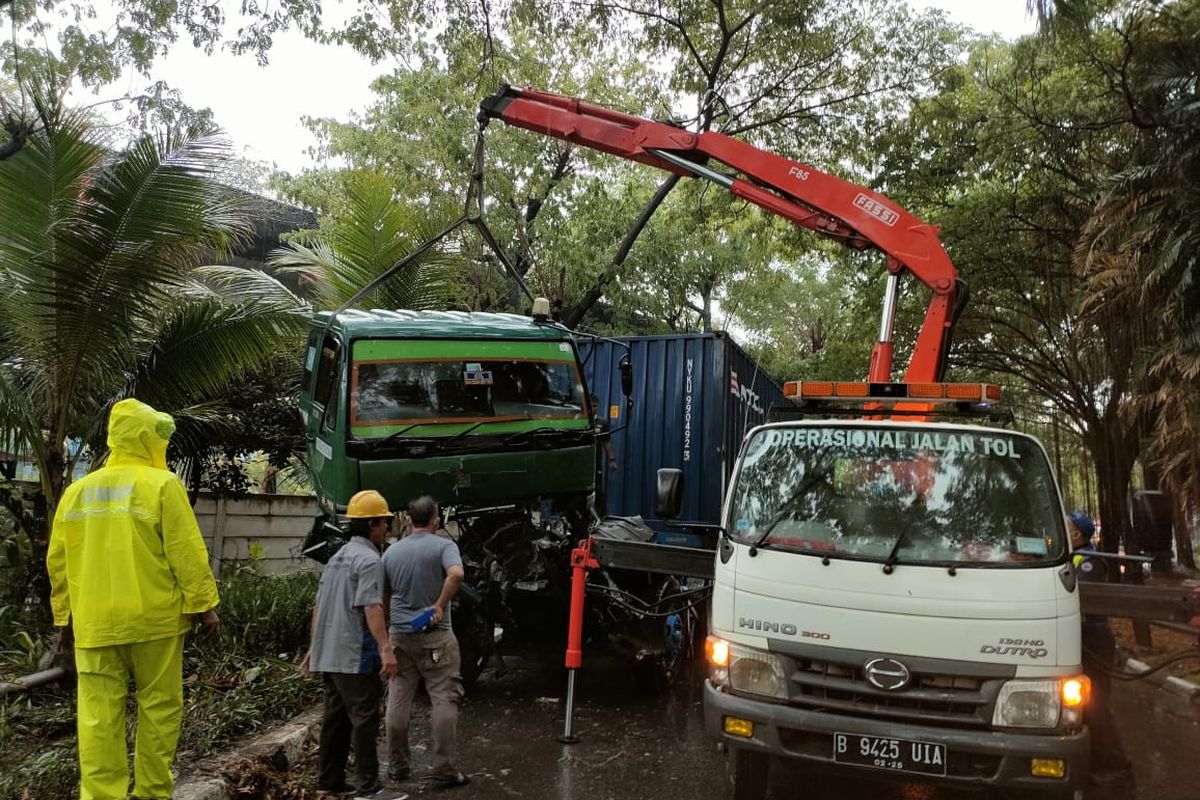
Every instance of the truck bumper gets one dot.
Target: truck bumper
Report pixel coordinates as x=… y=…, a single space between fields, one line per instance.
x=974 y=757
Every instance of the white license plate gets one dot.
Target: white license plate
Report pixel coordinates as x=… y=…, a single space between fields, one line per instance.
x=883 y=752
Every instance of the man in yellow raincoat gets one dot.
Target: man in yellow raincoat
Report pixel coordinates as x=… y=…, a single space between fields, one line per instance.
x=128 y=569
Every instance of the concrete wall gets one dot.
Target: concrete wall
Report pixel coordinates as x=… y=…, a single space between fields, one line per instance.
x=277 y=523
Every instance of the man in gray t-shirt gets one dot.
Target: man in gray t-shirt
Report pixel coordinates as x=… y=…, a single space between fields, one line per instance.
x=422 y=573
x=351 y=650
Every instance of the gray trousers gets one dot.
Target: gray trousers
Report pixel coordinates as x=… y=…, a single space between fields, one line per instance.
x=434 y=657
x=351 y=720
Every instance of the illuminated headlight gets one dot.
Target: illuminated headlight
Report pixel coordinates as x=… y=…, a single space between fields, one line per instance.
x=757 y=672
x=1028 y=704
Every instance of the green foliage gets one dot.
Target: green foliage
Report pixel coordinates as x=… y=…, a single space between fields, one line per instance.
x=100 y=44
x=263 y=615
x=362 y=237
x=99 y=251
x=1140 y=249
x=265 y=426
x=807 y=79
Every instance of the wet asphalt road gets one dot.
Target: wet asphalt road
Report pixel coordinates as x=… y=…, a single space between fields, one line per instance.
x=639 y=746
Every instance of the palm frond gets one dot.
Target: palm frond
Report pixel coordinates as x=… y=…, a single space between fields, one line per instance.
x=370 y=233
x=254 y=287
x=204 y=344
x=198 y=425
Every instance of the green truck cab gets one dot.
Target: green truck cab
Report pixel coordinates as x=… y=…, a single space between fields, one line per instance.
x=474 y=409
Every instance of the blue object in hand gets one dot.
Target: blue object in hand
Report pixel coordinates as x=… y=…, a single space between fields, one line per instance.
x=422 y=621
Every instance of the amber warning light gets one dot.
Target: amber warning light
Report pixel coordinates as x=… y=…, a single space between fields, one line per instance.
x=925 y=392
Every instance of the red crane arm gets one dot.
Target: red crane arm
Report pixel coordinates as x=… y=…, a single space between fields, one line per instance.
x=846 y=212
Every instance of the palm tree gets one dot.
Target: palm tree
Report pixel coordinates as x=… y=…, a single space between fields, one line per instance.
x=367 y=232
x=103 y=294
x=1142 y=248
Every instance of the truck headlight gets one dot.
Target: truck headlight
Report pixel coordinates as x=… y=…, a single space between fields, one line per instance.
x=1028 y=704
x=757 y=672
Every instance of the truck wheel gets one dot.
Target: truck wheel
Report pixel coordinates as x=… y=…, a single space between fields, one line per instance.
x=658 y=673
x=749 y=773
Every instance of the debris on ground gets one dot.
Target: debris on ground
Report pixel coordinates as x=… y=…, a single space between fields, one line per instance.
x=1167 y=642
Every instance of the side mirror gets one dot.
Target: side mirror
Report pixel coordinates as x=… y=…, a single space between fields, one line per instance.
x=668 y=497
x=626 y=368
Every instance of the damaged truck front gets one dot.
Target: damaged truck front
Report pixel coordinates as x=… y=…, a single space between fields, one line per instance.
x=490 y=415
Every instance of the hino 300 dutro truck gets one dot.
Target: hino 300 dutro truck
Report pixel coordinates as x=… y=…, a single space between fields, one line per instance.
x=896 y=597
x=893 y=591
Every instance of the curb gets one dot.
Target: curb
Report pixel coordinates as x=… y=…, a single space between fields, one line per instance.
x=1169 y=682
x=279 y=748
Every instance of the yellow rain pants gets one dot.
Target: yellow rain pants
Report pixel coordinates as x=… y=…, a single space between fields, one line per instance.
x=104 y=672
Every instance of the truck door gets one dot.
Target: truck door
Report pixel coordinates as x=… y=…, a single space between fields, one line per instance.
x=321 y=423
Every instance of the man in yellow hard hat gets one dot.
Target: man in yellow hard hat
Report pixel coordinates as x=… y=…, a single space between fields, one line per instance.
x=350 y=648
x=128 y=570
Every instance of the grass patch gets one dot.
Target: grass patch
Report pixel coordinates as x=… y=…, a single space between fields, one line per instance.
x=240 y=684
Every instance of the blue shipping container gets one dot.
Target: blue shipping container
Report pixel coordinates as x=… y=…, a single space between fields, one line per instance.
x=694 y=398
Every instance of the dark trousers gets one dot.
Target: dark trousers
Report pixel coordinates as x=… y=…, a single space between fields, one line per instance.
x=351 y=720
x=1100 y=649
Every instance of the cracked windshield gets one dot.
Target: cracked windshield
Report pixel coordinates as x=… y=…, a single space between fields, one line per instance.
x=904 y=495
x=466 y=390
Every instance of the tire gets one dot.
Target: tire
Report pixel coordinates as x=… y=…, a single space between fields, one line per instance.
x=659 y=673
x=749 y=773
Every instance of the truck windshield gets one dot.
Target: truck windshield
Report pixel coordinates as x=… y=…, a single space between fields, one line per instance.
x=933 y=495
x=403 y=392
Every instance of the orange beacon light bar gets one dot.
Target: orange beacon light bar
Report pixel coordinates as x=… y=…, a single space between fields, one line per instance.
x=925 y=392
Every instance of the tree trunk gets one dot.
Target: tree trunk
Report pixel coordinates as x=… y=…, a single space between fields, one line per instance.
x=53 y=479
x=1114 y=457
x=271 y=480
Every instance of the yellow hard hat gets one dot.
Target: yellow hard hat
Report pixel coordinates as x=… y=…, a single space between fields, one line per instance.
x=367 y=504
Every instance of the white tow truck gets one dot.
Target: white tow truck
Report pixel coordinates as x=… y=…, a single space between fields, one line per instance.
x=896 y=597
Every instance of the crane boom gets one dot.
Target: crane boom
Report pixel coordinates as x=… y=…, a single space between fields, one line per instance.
x=850 y=214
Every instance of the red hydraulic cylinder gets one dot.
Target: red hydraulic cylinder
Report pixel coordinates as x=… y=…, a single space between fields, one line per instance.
x=581 y=562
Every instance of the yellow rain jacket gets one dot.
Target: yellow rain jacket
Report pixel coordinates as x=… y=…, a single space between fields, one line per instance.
x=126 y=560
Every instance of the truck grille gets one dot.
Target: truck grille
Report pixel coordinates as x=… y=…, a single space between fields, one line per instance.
x=959 y=700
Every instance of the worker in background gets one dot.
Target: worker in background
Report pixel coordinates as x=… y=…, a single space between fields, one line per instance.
x=1110 y=766
x=423 y=572
x=128 y=574
x=604 y=437
x=350 y=649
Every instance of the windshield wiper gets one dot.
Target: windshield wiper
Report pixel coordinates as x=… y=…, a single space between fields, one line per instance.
x=554 y=401
x=391 y=437
x=889 y=563
x=465 y=431
x=786 y=509
x=436 y=440
x=516 y=435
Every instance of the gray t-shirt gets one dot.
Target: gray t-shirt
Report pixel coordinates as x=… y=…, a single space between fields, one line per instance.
x=414 y=570
x=342 y=642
